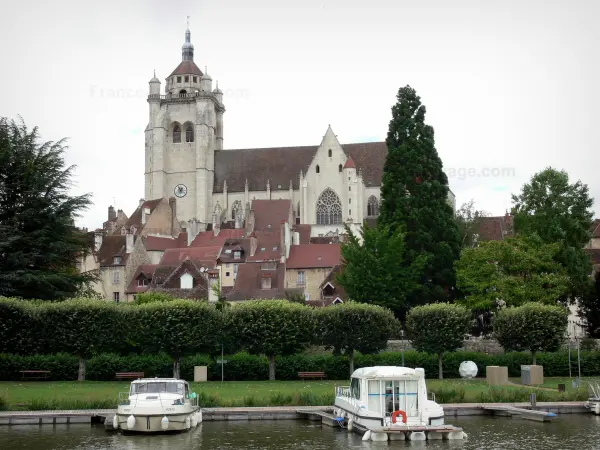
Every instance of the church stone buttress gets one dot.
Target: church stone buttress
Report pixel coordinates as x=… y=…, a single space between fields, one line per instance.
x=185 y=128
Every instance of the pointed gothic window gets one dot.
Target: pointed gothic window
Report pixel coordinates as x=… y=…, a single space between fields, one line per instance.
x=340 y=168
x=318 y=170
x=373 y=206
x=176 y=134
x=189 y=134
x=236 y=209
x=330 y=153
x=329 y=208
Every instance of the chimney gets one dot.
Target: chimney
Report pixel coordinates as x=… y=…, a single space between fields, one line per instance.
x=111 y=213
x=192 y=230
x=129 y=243
x=97 y=240
x=145 y=214
x=253 y=243
x=296 y=238
x=173 y=206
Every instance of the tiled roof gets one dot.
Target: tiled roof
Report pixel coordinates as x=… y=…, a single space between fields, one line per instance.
x=242 y=245
x=112 y=246
x=338 y=289
x=187 y=266
x=304 y=232
x=187 y=67
x=268 y=246
x=279 y=165
x=269 y=214
x=136 y=217
x=145 y=269
x=208 y=238
x=248 y=283
x=494 y=228
x=306 y=256
x=350 y=164
x=155 y=243
x=205 y=255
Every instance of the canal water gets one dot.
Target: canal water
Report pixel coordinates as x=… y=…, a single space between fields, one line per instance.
x=580 y=432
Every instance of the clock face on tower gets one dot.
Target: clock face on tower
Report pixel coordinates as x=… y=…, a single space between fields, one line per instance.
x=180 y=190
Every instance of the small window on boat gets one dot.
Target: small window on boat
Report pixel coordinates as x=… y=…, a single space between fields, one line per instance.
x=355 y=388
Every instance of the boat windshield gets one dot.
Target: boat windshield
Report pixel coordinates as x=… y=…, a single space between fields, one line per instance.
x=158 y=387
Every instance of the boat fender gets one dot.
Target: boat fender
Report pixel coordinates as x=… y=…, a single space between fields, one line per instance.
x=350 y=424
x=464 y=435
x=187 y=422
x=367 y=435
x=194 y=420
x=131 y=422
x=164 y=423
x=116 y=422
x=397 y=413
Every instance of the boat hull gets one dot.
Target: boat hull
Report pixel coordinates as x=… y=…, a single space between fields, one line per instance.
x=147 y=422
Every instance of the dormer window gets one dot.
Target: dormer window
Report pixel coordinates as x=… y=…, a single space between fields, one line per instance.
x=228 y=251
x=117 y=260
x=237 y=255
x=142 y=282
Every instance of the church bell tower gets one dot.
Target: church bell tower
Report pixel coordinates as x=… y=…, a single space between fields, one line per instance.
x=185 y=127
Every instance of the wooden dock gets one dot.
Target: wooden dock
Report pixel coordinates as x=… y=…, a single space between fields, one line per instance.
x=529 y=414
x=78 y=416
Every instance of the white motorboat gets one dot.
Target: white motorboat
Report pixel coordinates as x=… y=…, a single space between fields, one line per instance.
x=157 y=405
x=390 y=402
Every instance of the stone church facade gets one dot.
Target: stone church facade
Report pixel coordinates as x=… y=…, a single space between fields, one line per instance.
x=328 y=184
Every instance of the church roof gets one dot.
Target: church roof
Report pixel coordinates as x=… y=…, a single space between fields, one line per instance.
x=187 y=68
x=279 y=165
x=350 y=164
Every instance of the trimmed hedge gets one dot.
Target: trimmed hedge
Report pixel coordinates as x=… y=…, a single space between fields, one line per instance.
x=245 y=367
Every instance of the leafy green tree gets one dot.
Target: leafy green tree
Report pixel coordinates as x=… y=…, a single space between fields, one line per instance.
x=414 y=197
x=374 y=269
x=559 y=212
x=272 y=328
x=20 y=326
x=510 y=272
x=39 y=243
x=178 y=328
x=469 y=221
x=532 y=326
x=351 y=327
x=438 y=328
x=152 y=297
x=82 y=327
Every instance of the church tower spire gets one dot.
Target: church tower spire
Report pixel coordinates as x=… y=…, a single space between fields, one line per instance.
x=187 y=49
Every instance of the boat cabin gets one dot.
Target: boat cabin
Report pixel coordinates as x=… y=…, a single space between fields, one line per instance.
x=160 y=386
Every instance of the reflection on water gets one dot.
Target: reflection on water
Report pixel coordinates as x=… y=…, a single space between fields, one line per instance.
x=581 y=432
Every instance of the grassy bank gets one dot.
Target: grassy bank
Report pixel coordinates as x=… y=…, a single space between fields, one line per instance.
x=97 y=394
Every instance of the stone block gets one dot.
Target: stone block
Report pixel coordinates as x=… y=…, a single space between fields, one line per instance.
x=496 y=375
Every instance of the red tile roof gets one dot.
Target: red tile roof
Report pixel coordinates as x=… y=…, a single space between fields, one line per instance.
x=187 y=67
x=306 y=256
x=304 y=231
x=112 y=246
x=136 y=217
x=205 y=255
x=268 y=246
x=208 y=238
x=155 y=243
x=495 y=228
x=248 y=283
x=279 y=165
x=350 y=164
x=269 y=214
x=147 y=270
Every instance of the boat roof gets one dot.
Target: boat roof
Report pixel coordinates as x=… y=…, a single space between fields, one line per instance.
x=388 y=372
x=159 y=380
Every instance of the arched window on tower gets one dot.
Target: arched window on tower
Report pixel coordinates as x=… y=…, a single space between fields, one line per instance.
x=329 y=153
x=189 y=133
x=318 y=170
x=329 y=208
x=340 y=168
x=372 y=206
x=236 y=209
x=176 y=134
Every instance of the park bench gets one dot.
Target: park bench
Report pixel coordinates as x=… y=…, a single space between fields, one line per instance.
x=35 y=374
x=129 y=375
x=304 y=375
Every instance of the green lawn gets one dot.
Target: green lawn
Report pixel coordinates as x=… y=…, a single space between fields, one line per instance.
x=75 y=395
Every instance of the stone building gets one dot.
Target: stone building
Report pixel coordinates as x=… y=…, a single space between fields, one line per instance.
x=328 y=184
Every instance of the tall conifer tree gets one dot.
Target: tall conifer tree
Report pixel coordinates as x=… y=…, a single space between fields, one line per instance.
x=414 y=196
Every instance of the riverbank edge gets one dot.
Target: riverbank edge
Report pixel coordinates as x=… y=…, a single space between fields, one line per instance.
x=265 y=413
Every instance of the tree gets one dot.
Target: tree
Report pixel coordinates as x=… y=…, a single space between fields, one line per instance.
x=589 y=307
x=510 y=272
x=559 y=212
x=438 y=328
x=39 y=243
x=178 y=327
x=532 y=327
x=414 y=197
x=152 y=297
x=469 y=221
x=271 y=328
x=374 y=270
x=351 y=327
x=20 y=327
x=82 y=327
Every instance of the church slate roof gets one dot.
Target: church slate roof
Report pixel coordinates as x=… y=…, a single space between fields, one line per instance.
x=187 y=67
x=279 y=165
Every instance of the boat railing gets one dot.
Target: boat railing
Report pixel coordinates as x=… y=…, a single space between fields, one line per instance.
x=342 y=391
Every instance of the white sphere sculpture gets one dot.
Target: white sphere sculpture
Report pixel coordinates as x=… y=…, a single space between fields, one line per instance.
x=467 y=369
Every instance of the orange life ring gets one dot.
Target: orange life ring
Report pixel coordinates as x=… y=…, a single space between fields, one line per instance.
x=395 y=414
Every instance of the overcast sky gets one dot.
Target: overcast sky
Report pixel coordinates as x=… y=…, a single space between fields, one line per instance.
x=510 y=86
